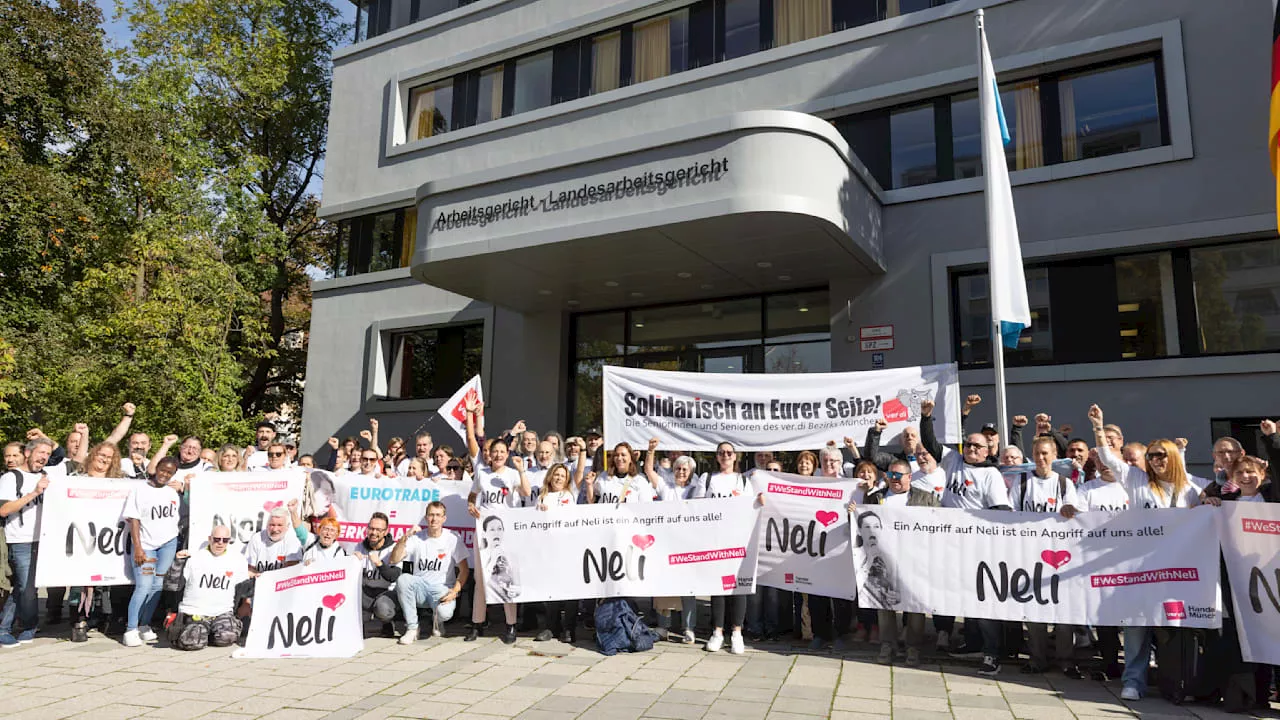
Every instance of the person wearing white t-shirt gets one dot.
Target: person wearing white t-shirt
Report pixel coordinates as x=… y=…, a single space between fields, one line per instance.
x=276 y=547
x=558 y=493
x=543 y=459
x=206 y=612
x=21 y=505
x=1102 y=493
x=683 y=485
x=726 y=482
x=622 y=483
x=256 y=456
x=493 y=484
x=152 y=513
x=439 y=561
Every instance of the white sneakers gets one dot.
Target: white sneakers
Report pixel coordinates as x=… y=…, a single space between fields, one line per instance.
x=689 y=637
x=147 y=634
x=436 y=629
x=410 y=635
x=1131 y=694
x=716 y=641
x=132 y=638
x=943 y=643
x=736 y=646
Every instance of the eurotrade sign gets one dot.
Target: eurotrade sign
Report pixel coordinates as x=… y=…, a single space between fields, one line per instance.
x=657 y=182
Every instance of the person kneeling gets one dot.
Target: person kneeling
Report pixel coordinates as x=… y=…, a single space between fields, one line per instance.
x=434 y=553
x=206 y=612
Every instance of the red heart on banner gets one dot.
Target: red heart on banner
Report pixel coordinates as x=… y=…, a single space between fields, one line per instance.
x=644 y=542
x=269 y=506
x=895 y=411
x=333 y=602
x=1056 y=558
x=230 y=573
x=826 y=517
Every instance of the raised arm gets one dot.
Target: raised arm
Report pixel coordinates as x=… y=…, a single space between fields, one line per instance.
x=524 y=488
x=83 y=453
x=927 y=437
x=1115 y=463
x=871 y=448
x=654 y=477
x=1015 y=431
x=970 y=402
x=332 y=463
x=473 y=408
x=169 y=441
x=397 y=552
x=373 y=436
x=122 y=427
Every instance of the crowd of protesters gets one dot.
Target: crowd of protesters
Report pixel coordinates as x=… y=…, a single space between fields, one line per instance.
x=406 y=577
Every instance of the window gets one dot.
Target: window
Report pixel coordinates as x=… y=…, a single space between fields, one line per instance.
x=741 y=28
x=787 y=332
x=973 y=311
x=1237 y=296
x=1102 y=111
x=533 y=83
x=660 y=46
x=796 y=20
x=430 y=110
x=1143 y=284
x=606 y=62
x=914 y=153
x=1109 y=111
x=433 y=362
x=370 y=243
x=489 y=94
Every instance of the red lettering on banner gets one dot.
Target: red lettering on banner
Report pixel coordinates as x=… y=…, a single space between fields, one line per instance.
x=81 y=494
x=820 y=493
x=1145 y=577
x=707 y=556
x=313 y=579
x=1262 y=527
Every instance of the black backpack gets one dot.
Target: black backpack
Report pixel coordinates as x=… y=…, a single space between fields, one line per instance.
x=1022 y=491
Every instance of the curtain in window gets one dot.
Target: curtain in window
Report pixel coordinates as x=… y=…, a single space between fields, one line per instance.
x=651 y=49
x=490 y=94
x=408 y=236
x=426 y=120
x=1067 y=102
x=892 y=8
x=1028 y=147
x=606 y=62
x=796 y=20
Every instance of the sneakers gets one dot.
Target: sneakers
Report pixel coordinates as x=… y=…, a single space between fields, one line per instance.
x=80 y=632
x=1073 y=671
x=736 y=646
x=8 y=641
x=26 y=637
x=437 y=627
x=1130 y=694
x=410 y=635
x=132 y=638
x=509 y=635
x=689 y=638
x=566 y=637
x=146 y=633
x=943 y=643
x=913 y=656
x=886 y=654
x=990 y=665
x=966 y=651
x=839 y=645
x=716 y=641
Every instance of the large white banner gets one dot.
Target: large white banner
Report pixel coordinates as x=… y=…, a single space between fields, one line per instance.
x=307 y=611
x=1250 y=534
x=697 y=411
x=352 y=499
x=83 y=539
x=804 y=534
x=693 y=547
x=241 y=500
x=1138 y=568
x=454 y=410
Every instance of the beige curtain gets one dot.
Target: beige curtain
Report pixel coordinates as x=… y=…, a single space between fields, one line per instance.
x=423 y=114
x=796 y=20
x=1067 y=103
x=408 y=236
x=490 y=92
x=651 y=49
x=606 y=62
x=892 y=9
x=1028 y=147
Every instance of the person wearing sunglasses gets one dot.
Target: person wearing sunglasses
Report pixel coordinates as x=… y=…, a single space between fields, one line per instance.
x=369 y=463
x=726 y=482
x=277 y=457
x=206 y=611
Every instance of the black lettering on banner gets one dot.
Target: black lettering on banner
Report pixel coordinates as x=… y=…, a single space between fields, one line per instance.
x=1257 y=580
x=1022 y=586
x=301 y=631
x=795 y=538
x=106 y=540
x=610 y=566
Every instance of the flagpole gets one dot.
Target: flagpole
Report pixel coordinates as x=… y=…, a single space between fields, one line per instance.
x=997 y=345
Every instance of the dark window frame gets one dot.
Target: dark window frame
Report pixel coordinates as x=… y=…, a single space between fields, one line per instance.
x=455 y=332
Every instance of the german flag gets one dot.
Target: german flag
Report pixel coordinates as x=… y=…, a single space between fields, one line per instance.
x=1274 y=134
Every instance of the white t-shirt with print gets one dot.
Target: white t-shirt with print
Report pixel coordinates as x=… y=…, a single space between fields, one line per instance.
x=156 y=510
x=971 y=487
x=22 y=526
x=372 y=576
x=211 y=582
x=671 y=491
x=558 y=499
x=722 y=485
x=1100 y=495
x=435 y=559
x=1044 y=494
x=536 y=478
x=263 y=554
x=611 y=489
x=313 y=552
x=934 y=482
x=1141 y=496
x=495 y=488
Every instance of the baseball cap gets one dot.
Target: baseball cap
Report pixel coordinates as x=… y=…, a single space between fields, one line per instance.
x=990 y=428
x=265 y=424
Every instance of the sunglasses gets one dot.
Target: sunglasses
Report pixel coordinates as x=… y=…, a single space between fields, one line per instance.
x=893 y=475
x=369 y=459
x=219 y=540
x=275 y=454
x=1157 y=455
x=975 y=446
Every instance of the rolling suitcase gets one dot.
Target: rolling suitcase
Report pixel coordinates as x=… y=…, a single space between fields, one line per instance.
x=1184 y=662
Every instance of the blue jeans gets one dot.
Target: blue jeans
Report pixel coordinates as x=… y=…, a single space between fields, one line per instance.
x=415 y=592
x=148 y=581
x=688 y=614
x=23 y=602
x=762 y=611
x=1137 y=656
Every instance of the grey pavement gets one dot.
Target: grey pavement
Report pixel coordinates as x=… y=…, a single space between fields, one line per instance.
x=447 y=678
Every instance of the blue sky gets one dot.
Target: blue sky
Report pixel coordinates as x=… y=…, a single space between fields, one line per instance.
x=118 y=32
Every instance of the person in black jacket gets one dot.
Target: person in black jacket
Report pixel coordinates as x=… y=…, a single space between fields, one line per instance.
x=379 y=574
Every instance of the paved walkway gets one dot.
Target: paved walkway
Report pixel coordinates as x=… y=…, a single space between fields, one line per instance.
x=483 y=680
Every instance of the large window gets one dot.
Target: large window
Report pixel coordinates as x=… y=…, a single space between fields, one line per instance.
x=433 y=362
x=660 y=46
x=370 y=243
x=375 y=17
x=783 y=333
x=430 y=110
x=796 y=20
x=741 y=28
x=533 y=83
x=1200 y=301
x=1053 y=118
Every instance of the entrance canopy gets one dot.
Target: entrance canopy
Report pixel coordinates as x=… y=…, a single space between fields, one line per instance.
x=752 y=202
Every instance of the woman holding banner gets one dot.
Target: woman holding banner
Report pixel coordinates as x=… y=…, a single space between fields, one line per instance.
x=103 y=461
x=558 y=492
x=152 y=514
x=682 y=487
x=724 y=483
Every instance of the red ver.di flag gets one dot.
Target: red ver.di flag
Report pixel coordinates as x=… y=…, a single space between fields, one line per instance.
x=693 y=547
x=454 y=410
x=804 y=534
x=307 y=611
x=1250 y=535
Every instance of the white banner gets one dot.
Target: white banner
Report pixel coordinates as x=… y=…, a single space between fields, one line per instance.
x=697 y=411
x=307 y=611
x=694 y=547
x=240 y=500
x=1138 y=568
x=454 y=410
x=353 y=499
x=804 y=534
x=1250 y=534
x=83 y=539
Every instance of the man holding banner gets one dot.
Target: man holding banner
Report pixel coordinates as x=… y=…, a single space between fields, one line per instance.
x=439 y=561
x=206 y=613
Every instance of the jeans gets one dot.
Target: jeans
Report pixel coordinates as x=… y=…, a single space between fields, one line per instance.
x=148 y=581
x=1137 y=655
x=415 y=592
x=688 y=614
x=737 y=610
x=762 y=611
x=23 y=601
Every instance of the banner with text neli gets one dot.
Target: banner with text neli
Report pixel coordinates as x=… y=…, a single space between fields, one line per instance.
x=242 y=501
x=82 y=536
x=1250 y=534
x=352 y=499
x=307 y=611
x=454 y=410
x=698 y=411
x=692 y=547
x=805 y=534
x=1141 y=568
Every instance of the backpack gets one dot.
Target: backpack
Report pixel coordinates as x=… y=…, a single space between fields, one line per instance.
x=1022 y=490
x=620 y=629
